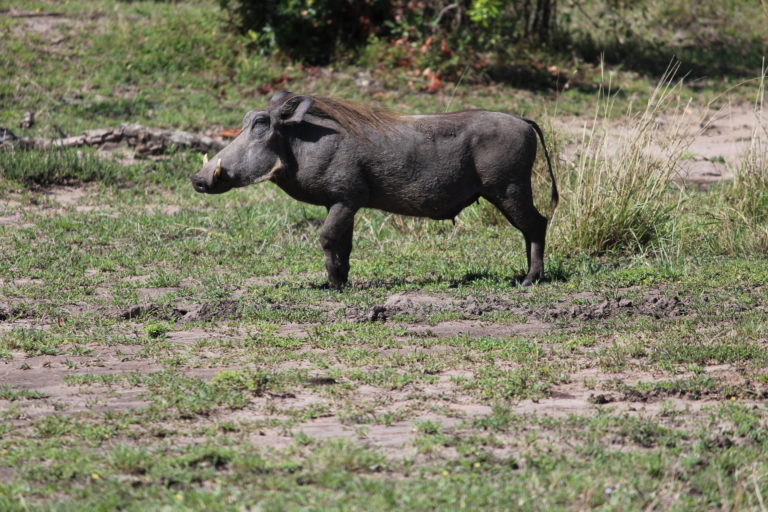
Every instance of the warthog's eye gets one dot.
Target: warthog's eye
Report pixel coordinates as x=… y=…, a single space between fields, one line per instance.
x=260 y=123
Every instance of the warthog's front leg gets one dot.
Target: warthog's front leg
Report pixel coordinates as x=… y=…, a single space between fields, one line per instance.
x=336 y=240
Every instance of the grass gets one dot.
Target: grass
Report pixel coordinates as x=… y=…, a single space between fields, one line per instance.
x=746 y=198
x=167 y=350
x=619 y=197
x=58 y=166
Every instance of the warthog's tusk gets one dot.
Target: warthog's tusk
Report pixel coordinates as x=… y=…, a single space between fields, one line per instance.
x=216 y=172
x=205 y=158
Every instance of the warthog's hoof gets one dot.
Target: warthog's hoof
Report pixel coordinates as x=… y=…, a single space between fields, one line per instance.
x=336 y=285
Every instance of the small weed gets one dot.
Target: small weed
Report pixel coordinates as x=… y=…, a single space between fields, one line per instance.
x=529 y=381
x=173 y=394
x=8 y=393
x=34 y=342
x=242 y=380
x=54 y=425
x=157 y=330
x=164 y=279
x=429 y=428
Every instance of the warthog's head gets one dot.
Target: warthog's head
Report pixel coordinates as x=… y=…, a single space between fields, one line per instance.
x=254 y=155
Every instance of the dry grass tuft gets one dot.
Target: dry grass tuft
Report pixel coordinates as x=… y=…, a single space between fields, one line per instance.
x=618 y=195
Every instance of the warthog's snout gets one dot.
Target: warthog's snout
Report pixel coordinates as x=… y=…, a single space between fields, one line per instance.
x=209 y=175
x=199 y=183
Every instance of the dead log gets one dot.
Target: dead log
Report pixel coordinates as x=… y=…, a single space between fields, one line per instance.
x=145 y=140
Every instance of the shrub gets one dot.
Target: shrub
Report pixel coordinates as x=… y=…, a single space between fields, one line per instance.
x=445 y=34
x=313 y=31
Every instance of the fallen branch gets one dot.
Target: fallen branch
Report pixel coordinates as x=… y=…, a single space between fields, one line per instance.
x=145 y=140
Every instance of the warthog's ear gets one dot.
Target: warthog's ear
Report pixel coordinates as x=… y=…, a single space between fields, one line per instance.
x=280 y=95
x=293 y=110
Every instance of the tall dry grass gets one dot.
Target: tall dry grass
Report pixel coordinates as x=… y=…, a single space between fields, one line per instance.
x=619 y=195
x=745 y=214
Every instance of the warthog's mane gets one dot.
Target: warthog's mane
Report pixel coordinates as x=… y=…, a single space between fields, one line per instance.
x=354 y=118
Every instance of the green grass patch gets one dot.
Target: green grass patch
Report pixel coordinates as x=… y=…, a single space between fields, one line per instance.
x=57 y=167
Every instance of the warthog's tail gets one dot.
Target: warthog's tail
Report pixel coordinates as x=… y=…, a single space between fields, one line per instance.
x=555 y=195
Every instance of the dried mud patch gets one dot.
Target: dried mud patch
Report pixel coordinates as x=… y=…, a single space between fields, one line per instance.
x=295 y=330
x=477 y=328
x=7 y=474
x=326 y=401
x=147 y=294
x=415 y=310
x=390 y=420
x=46 y=375
x=717 y=139
x=67 y=196
x=212 y=311
x=14 y=220
x=419 y=307
x=708 y=386
x=645 y=394
x=655 y=304
x=395 y=440
x=416 y=305
x=13 y=312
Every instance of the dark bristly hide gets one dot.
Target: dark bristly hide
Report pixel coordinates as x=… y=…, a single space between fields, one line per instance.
x=356 y=119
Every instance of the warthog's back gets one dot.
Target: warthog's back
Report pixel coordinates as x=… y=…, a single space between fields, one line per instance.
x=436 y=165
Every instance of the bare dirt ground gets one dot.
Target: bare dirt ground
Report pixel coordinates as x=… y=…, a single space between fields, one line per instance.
x=716 y=139
x=442 y=400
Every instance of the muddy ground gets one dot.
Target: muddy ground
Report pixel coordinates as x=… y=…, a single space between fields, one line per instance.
x=441 y=400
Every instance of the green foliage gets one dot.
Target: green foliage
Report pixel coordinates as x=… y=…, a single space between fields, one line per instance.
x=466 y=40
x=314 y=31
x=534 y=44
x=444 y=35
x=709 y=37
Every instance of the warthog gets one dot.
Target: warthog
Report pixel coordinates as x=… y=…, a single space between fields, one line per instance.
x=345 y=157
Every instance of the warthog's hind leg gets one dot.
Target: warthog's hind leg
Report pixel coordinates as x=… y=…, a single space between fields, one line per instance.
x=336 y=241
x=517 y=206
